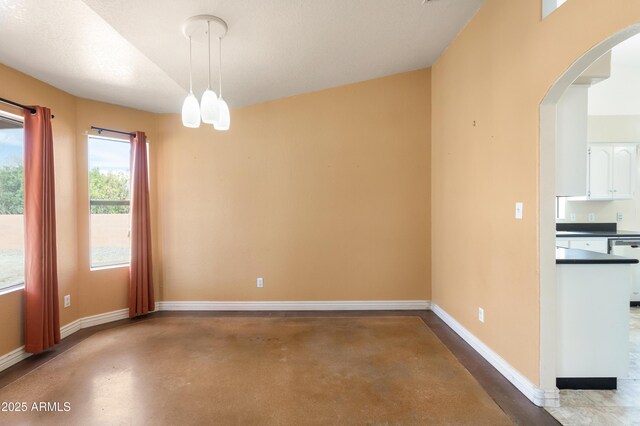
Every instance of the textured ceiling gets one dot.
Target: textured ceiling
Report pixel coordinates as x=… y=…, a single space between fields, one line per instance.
x=132 y=52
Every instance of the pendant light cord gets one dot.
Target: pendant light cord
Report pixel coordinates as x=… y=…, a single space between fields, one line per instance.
x=190 y=73
x=220 y=64
x=209 y=34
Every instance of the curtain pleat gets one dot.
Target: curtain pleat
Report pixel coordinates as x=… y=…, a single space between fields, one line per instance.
x=141 y=297
x=42 y=316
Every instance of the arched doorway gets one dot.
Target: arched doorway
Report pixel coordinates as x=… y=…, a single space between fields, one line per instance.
x=547 y=225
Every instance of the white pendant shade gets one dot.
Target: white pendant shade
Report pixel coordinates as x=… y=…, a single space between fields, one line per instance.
x=209 y=108
x=191 y=112
x=225 y=117
x=212 y=109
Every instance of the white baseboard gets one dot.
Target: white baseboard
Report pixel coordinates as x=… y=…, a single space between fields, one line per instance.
x=104 y=318
x=368 y=305
x=13 y=357
x=551 y=397
x=93 y=320
x=69 y=329
x=19 y=354
x=538 y=396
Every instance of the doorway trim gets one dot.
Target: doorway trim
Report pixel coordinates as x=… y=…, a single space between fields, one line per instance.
x=546 y=203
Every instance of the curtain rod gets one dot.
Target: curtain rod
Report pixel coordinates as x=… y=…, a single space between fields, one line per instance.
x=102 y=129
x=15 y=104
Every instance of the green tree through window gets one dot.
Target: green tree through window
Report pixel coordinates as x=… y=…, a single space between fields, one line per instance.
x=108 y=186
x=12 y=189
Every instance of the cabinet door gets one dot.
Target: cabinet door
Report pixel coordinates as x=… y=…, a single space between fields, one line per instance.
x=600 y=161
x=599 y=244
x=623 y=176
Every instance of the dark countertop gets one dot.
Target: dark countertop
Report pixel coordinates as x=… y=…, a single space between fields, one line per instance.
x=576 y=257
x=592 y=229
x=597 y=234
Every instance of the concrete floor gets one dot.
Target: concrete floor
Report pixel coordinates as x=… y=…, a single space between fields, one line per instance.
x=243 y=370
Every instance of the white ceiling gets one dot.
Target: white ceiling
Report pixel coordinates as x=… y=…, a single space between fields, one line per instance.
x=132 y=52
x=620 y=93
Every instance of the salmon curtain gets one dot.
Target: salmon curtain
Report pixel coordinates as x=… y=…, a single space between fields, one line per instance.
x=141 y=299
x=42 y=316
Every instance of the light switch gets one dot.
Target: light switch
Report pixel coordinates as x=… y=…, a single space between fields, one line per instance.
x=518 y=210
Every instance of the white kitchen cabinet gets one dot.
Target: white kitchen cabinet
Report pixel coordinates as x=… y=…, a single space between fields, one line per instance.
x=624 y=171
x=599 y=178
x=592 y=320
x=571 y=142
x=592 y=244
x=595 y=244
x=612 y=171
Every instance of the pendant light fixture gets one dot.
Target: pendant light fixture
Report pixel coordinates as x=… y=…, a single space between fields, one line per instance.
x=190 y=107
x=211 y=109
x=224 y=120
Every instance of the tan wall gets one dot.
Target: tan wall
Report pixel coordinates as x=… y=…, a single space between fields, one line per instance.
x=495 y=75
x=324 y=195
x=91 y=292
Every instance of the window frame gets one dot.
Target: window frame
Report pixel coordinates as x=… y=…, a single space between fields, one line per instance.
x=106 y=202
x=19 y=285
x=550 y=6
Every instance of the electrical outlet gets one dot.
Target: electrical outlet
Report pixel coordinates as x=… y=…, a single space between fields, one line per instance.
x=619 y=216
x=481 y=314
x=67 y=300
x=518 y=210
x=260 y=282
x=591 y=217
x=572 y=217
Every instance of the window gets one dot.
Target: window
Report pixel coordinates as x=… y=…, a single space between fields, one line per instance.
x=549 y=6
x=109 y=188
x=11 y=201
x=561 y=207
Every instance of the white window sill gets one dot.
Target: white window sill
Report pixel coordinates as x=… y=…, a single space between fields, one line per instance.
x=101 y=268
x=11 y=289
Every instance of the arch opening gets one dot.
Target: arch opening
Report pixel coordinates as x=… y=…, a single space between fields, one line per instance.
x=547 y=220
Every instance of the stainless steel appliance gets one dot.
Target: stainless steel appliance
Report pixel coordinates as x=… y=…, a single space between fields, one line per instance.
x=629 y=247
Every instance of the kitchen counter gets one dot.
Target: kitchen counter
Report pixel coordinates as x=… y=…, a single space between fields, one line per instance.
x=597 y=234
x=592 y=229
x=592 y=319
x=592 y=316
x=566 y=256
